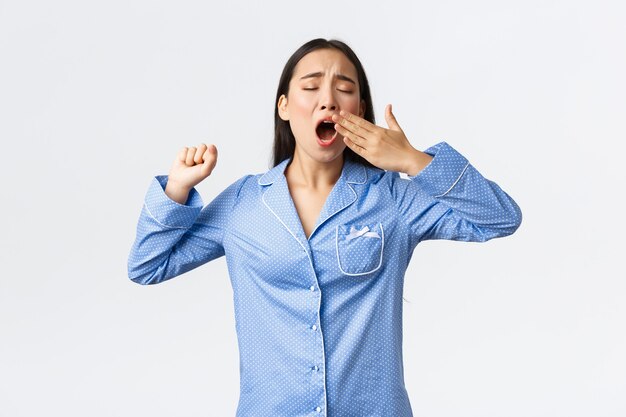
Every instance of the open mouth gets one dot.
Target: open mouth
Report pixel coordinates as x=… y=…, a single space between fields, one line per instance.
x=326 y=132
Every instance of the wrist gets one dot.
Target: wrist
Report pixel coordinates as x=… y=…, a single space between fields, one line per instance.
x=177 y=192
x=417 y=162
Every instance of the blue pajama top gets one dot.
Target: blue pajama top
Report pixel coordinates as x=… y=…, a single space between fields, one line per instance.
x=319 y=320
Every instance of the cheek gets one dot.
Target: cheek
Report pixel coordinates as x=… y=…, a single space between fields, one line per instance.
x=351 y=104
x=300 y=104
x=299 y=115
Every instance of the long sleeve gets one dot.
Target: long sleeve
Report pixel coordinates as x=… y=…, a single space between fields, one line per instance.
x=450 y=199
x=173 y=238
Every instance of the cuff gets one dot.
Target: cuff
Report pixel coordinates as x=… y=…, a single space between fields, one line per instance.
x=169 y=212
x=443 y=172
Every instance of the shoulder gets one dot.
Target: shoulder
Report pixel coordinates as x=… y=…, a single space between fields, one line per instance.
x=235 y=189
x=241 y=187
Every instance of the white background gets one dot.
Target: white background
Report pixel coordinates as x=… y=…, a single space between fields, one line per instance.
x=97 y=97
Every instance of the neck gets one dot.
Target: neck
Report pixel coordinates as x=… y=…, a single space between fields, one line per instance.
x=306 y=172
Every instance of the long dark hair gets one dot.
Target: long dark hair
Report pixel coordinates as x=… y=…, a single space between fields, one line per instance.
x=284 y=141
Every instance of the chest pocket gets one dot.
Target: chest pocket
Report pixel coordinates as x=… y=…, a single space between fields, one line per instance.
x=359 y=248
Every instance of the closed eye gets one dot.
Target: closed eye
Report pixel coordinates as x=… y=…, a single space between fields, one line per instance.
x=343 y=91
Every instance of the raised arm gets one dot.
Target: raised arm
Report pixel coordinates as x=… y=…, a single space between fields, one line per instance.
x=172 y=236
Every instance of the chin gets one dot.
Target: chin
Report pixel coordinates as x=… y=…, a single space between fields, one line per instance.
x=330 y=154
x=320 y=153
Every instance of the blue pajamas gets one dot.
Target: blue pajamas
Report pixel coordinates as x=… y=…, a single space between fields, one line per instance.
x=319 y=320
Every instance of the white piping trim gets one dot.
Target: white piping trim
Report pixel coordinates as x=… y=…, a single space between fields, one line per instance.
x=264 y=183
x=164 y=225
x=283 y=223
x=457 y=180
x=382 y=232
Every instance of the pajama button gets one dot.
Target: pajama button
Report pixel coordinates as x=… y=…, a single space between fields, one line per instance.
x=318 y=409
x=314 y=327
x=312 y=287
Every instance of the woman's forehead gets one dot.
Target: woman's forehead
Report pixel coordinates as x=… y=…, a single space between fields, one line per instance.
x=325 y=61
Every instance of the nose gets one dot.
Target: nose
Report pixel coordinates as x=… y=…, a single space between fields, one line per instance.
x=327 y=99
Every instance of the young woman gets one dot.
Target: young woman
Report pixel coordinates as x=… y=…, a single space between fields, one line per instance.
x=317 y=246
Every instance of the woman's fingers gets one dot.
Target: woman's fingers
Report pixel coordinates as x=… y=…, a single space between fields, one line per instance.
x=356 y=148
x=391 y=119
x=350 y=135
x=210 y=159
x=182 y=154
x=197 y=155
x=191 y=153
x=209 y=153
x=354 y=122
x=200 y=153
x=345 y=125
x=362 y=127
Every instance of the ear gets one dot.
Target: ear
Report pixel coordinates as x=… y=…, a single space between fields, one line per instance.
x=282 y=108
x=362 y=109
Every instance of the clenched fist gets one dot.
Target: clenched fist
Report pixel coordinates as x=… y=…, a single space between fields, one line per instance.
x=191 y=166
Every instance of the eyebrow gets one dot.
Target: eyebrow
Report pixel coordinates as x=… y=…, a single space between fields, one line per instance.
x=319 y=74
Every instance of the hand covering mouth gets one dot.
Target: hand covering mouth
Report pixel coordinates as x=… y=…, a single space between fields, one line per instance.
x=326 y=130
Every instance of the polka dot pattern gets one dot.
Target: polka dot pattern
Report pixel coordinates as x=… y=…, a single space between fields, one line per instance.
x=319 y=320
